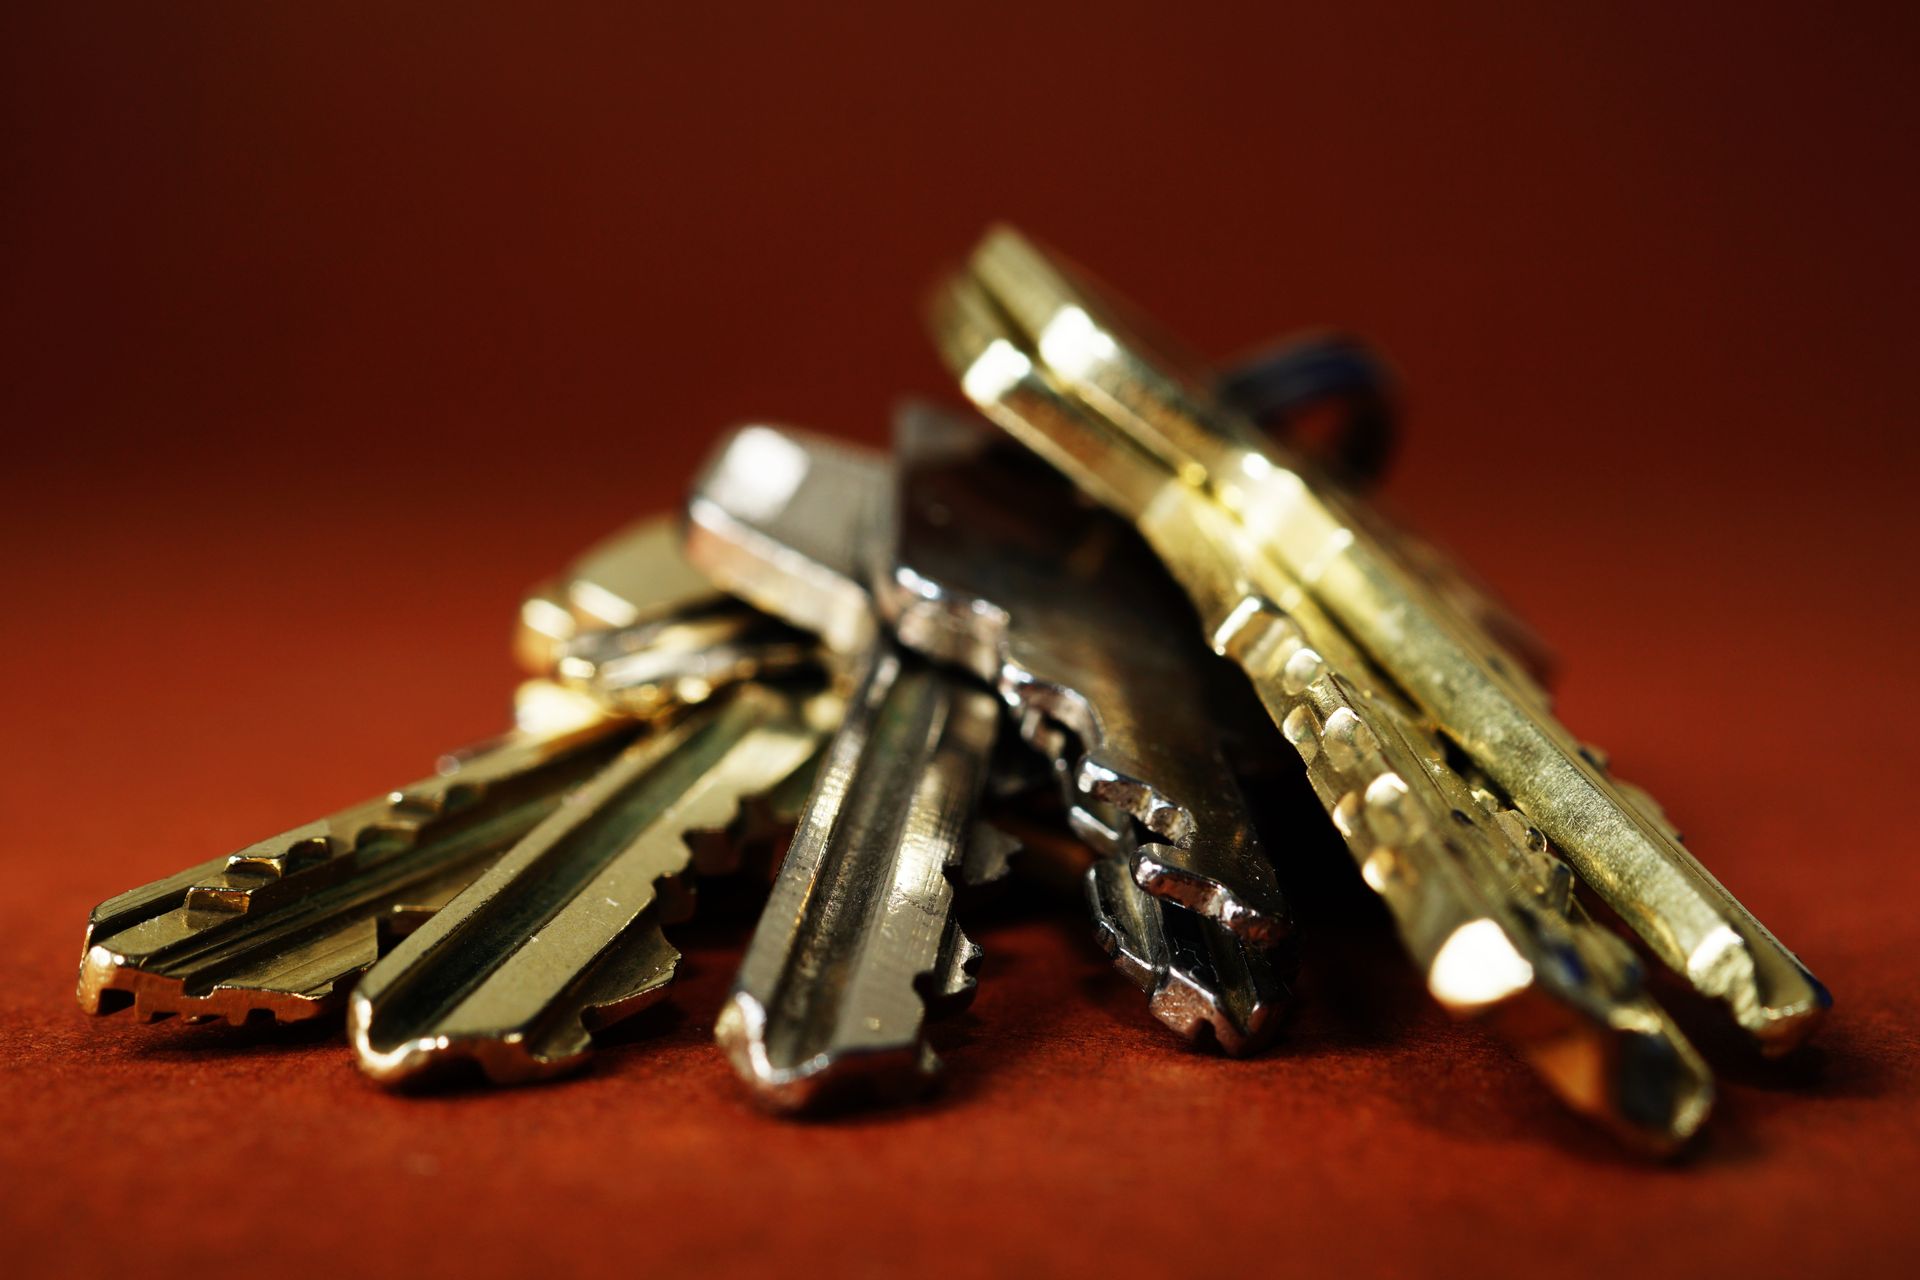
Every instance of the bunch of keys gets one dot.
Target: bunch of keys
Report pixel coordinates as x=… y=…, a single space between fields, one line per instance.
x=866 y=660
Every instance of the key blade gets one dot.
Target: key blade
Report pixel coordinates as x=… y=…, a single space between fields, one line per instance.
x=282 y=927
x=1104 y=351
x=561 y=936
x=1460 y=873
x=858 y=939
x=1458 y=675
x=1069 y=616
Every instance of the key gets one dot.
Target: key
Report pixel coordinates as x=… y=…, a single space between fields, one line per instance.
x=649 y=668
x=1470 y=883
x=632 y=624
x=1461 y=679
x=634 y=577
x=282 y=927
x=858 y=944
x=562 y=936
x=1305 y=376
x=1066 y=614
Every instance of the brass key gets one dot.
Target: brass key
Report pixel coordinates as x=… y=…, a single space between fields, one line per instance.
x=562 y=936
x=1469 y=882
x=637 y=628
x=283 y=926
x=1463 y=682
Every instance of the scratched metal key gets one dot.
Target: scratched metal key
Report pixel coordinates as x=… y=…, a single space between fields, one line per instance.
x=1480 y=904
x=562 y=936
x=284 y=926
x=632 y=624
x=999 y=569
x=858 y=943
x=1462 y=680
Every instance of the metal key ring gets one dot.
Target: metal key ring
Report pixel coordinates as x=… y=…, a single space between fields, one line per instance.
x=1297 y=375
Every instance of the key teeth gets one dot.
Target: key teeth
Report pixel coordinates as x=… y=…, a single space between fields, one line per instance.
x=987 y=856
x=260 y=867
x=296 y=855
x=1097 y=776
x=950 y=988
x=1190 y=1009
x=1632 y=1071
x=1160 y=873
x=1208 y=898
x=1193 y=1013
x=109 y=983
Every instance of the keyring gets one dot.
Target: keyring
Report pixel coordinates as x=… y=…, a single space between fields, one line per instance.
x=1278 y=387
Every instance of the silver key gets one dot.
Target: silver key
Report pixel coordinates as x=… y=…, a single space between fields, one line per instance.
x=1070 y=618
x=858 y=943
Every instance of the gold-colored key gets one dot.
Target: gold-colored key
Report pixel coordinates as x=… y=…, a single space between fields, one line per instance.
x=284 y=926
x=634 y=577
x=638 y=629
x=1473 y=888
x=561 y=936
x=1458 y=676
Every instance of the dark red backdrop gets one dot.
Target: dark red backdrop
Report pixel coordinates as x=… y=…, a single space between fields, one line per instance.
x=326 y=333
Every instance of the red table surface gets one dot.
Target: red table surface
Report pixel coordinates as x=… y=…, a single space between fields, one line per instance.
x=328 y=333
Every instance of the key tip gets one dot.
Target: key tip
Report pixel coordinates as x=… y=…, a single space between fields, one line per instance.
x=741 y=1033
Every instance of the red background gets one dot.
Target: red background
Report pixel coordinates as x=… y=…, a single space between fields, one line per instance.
x=326 y=332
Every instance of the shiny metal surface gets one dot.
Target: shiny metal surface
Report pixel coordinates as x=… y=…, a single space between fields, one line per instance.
x=1064 y=611
x=789 y=522
x=1201 y=981
x=284 y=926
x=636 y=576
x=634 y=626
x=1462 y=680
x=562 y=935
x=1472 y=886
x=651 y=668
x=858 y=943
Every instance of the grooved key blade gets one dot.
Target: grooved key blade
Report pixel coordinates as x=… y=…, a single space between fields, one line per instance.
x=283 y=926
x=562 y=936
x=1067 y=614
x=858 y=942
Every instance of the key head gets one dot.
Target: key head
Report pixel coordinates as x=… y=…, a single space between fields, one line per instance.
x=788 y=521
x=636 y=576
